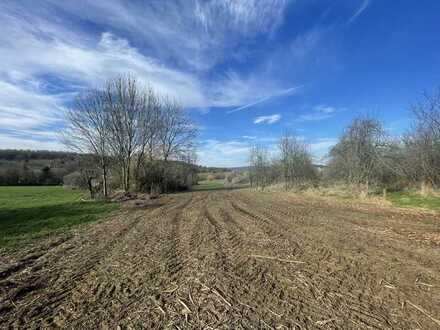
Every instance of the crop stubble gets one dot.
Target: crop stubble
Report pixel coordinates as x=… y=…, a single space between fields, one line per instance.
x=231 y=259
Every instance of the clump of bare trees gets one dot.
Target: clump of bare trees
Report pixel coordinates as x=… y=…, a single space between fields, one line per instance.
x=296 y=161
x=292 y=166
x=366 y=155
x=259 y=167
x=141 y=135
x=358 y=156
x=422 y=142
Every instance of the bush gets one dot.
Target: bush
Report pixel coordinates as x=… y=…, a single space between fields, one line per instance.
x=174 y=176
x=75 y=180
x=241 y=179
x=219 y=176
x=230 y=176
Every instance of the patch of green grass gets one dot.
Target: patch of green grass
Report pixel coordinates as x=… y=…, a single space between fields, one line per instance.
x=28 y=213
x=406 y=199
x=209 y=185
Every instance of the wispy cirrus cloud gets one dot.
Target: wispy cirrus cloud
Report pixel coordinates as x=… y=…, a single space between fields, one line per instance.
x=320 y=112
x=174 y=32
x=26 y=108
x=272 y=119
x=195 y=33
x=28 y=142
x=229 y=153
x=359 y=11
x=271 y=95
x=52 y=51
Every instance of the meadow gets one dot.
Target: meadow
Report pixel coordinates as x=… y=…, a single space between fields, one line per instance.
x=27 y=213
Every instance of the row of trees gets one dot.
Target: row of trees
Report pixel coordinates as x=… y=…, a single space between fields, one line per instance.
x=144 y=139
x=25 y=176
x=365 y=155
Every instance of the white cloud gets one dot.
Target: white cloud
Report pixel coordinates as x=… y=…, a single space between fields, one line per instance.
x=28 y=143
x=272 y=94
x=26 y=108
x=233 y=153
x=195 y=33
x=325 y=109
x=267 y=119
x=171 y=45
x=223 y=153
x=84 y=63
x=320 y=112
x=246 y=16
x=359 y=11
x=321 y=147
x=172 y=31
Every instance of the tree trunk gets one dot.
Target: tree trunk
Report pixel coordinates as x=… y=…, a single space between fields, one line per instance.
x=89 y=183
x=127 y=185
x=104 y=178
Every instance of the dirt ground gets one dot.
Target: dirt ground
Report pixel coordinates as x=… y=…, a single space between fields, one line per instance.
x=231 y=260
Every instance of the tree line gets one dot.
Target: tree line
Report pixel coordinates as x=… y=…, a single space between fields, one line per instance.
x=140 y=140
x=23 y=175
x=366 y=156
x=26 y=167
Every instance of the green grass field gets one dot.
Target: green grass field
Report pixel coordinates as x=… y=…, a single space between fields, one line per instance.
x=209 y=185
x=27 y=213
x=216 y=185
x=411 y=200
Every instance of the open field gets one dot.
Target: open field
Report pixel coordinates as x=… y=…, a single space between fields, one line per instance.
x=217 y=185
x=231 y=259
x=209 y=185
x=27 y=213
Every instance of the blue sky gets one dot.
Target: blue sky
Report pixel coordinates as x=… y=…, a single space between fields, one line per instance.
x=245 y=70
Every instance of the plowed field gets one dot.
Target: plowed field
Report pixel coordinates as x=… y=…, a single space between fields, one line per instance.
x=231 y=260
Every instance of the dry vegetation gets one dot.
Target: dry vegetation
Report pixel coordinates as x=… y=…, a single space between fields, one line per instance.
x=231 y=259
x=367 y=159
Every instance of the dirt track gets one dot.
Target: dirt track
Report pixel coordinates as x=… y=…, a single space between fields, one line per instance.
x=231 y=259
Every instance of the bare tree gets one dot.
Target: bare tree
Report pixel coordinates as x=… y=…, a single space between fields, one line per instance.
x=87 y=130
x=149 y=125
x=259 y=166
x=127 y=109
x=133 y=126
x=356 y=157
x=176 y=133
x=296 y=161
x=422 y=142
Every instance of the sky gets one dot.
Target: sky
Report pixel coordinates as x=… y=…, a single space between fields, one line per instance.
x=246 y=71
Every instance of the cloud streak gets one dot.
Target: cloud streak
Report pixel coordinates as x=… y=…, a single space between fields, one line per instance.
x=361 y=9
x=279 y=93
x=272 y=119
x=320 y=112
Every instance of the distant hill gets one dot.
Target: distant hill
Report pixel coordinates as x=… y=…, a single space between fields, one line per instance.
x=28 y=167
x=209 y=169
x=44 y=167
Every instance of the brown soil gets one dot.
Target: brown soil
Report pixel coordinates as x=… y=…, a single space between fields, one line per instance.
x=231 y=259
